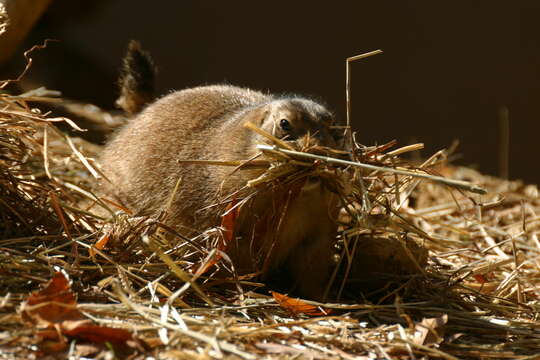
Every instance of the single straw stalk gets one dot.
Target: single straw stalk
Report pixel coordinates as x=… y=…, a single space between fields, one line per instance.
x=348 y=131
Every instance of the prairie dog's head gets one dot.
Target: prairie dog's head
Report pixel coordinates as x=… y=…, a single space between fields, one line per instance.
x=297 y=120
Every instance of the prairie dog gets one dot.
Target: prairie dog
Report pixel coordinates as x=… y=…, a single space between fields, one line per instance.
x=207 y=123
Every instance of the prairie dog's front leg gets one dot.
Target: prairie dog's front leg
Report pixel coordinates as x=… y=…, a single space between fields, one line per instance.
x=311 y=265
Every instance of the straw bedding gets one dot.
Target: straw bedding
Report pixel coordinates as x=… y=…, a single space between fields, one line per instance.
x=425 y=267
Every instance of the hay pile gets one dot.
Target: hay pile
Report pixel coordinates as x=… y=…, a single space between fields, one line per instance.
x=425 y=269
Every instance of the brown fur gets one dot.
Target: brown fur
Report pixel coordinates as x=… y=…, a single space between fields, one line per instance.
x=207 y=123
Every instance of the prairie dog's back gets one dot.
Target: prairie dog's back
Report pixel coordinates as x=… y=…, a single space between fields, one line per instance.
x=192 y=124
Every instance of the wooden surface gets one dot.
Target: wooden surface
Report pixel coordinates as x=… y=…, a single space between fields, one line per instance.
x=21 y=15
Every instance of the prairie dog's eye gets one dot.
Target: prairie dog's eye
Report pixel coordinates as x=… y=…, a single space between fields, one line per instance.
x=285 y=125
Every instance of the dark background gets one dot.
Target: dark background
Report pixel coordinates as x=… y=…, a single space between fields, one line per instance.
x=447 y=68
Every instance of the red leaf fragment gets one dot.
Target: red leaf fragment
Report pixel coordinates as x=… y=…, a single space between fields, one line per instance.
x=297 y=306
x=103 y=241
x=100 y=244
x=228 y=222
x=480 y=278
x=95 y=333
